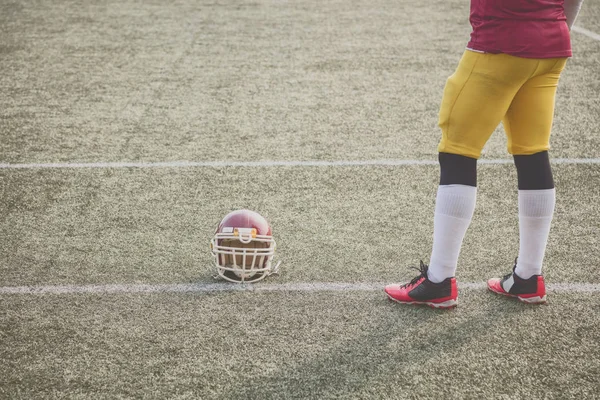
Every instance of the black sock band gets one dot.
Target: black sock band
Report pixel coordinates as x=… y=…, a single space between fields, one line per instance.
x=457 y=170
x=534 y=171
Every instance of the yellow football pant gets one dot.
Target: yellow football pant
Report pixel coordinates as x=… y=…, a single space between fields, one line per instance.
x=489 y=88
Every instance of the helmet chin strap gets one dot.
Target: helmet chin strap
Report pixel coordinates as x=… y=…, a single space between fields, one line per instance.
x=275 y=269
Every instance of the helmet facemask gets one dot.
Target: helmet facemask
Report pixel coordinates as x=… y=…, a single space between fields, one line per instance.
x=243 y=256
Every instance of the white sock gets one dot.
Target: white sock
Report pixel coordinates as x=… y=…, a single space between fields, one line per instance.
x=535 y=216
x=454 y=208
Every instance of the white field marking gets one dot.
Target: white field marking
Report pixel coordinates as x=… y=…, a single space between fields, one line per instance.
x=251 y=164
x=229 y=287
x=218 y=164
x=585 y=32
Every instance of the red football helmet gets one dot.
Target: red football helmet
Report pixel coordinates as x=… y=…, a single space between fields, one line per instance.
x=243 y=247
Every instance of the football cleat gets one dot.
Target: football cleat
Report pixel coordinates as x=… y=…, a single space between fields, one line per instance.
x=243 y=247
x=532 y=290
x=421 y=290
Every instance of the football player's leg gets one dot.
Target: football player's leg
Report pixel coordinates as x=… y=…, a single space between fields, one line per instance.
x=528 y=123
x=454 y=207
x=475 y=99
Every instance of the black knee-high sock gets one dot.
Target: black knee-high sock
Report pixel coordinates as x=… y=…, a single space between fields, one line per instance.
x=534 y=171
x=457 y=170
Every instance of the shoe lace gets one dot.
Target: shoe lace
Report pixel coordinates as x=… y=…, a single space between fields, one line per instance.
x=423 y=273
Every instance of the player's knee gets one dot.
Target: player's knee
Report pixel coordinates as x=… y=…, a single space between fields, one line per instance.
x=456 y=169
x=466 y=148
x=528 y=147
x=534 y=171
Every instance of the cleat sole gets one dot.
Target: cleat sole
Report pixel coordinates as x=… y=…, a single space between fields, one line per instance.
x=527 y=300
x=443 y=305
x=533 y=300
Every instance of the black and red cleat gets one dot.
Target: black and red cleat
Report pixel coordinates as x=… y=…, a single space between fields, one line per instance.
x=422 y=291
x=532 y=290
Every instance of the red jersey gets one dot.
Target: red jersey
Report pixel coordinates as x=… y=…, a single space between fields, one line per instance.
x=522 y=28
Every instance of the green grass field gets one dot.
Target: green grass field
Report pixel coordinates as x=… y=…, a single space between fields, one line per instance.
x=91 y=257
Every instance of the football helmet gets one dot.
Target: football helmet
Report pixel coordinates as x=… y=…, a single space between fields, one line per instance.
x=243 y=247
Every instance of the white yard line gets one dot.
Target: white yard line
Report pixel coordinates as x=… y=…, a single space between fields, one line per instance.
x=254 y=164
x=228 y=287
x=218 y=164
x=585 y=32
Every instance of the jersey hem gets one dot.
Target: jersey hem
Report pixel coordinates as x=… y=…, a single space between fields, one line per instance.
x=552 y=54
